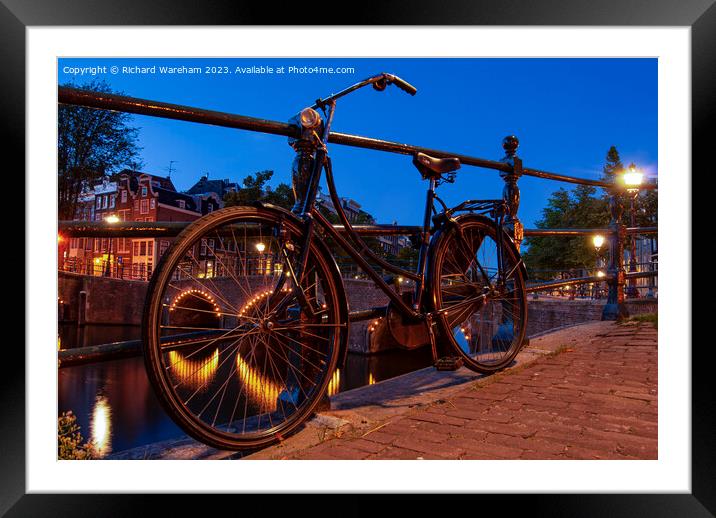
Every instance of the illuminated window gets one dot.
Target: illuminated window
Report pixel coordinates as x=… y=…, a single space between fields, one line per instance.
x=144 y=192
x=144 y=207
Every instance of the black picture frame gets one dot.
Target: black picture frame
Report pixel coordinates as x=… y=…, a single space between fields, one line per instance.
x=16 y=15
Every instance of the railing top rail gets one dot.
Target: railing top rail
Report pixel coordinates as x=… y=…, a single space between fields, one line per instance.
x=106 y=101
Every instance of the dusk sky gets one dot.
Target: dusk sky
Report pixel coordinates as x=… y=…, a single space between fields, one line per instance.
x=566 y=113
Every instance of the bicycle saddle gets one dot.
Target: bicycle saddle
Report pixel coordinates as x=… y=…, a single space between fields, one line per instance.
x=431 y=167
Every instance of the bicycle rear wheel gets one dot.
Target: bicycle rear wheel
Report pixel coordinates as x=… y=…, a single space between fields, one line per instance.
x=237 y=348
x=483 y=319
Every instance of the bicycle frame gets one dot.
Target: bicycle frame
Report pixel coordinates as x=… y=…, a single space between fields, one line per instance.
x=354 y=246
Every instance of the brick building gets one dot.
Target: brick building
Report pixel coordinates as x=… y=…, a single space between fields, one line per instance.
x=131 y=196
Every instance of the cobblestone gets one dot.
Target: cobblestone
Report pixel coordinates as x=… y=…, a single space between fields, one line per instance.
x=596 y=399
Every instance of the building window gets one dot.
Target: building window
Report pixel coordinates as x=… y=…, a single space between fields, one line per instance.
x=142 y=248
x=124 y=196
x=136 y=205
x=96 y=245
x=136 y=248
x=99 y=202
x=150 y=248
x=163 y=245
x=144 y=207
x=152 y=203
x=202 y=250
x=182 y=204
x=209 y=208
x=144 y=192
x=111 y=201
x=104 y=201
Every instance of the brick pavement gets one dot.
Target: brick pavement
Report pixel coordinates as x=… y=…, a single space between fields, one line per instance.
x=596 y=399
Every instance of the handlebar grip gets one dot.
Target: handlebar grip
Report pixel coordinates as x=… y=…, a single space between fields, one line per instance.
x=403 y=85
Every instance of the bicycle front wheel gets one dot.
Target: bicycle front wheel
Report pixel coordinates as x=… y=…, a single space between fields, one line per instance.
x=240 y=345
x=482 y=313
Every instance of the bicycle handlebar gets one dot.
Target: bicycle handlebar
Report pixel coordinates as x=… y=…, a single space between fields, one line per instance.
x=379 y=82
x=402 y=84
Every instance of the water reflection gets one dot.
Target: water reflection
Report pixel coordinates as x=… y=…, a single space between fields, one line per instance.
x=101 y=427
x=117 y=408
x=259 y=389
x=335 y=383
x=194 y=373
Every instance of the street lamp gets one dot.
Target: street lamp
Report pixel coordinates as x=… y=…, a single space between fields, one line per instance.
x=260 y=247
x=632 y=181
x=108 y=270
x=598 y=242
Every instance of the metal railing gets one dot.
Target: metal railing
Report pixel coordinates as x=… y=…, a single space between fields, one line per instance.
x=510 y=169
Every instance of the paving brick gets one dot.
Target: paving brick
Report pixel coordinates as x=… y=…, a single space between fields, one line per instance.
x=416 y=444
x=599 y=401
x=366 y=445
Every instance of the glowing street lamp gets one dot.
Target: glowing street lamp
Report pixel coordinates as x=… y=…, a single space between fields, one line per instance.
x=260 y=247
x=632 y=181
x=111 y=220
x=598 y=242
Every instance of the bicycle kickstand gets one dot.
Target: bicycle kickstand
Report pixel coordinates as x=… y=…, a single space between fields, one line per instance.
x=446 y=363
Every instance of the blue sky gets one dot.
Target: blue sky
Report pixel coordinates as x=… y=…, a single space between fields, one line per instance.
x=566 y=113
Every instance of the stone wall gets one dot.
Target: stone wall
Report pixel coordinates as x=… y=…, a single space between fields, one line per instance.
x=114 y=301
x=550 y=313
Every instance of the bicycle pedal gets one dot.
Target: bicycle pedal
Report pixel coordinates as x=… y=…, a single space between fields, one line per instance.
x=448 y=363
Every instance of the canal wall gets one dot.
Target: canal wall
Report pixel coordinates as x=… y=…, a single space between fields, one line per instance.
x=550 y=313
x=107 y=301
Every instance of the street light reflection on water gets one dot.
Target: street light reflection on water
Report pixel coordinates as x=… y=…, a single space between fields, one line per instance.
x=101 y=427
x=194 y=373
x=117 y=409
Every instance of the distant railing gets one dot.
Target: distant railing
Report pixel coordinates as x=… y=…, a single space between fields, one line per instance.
x=510 y=169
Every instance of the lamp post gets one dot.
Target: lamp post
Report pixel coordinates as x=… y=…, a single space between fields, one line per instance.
x=598 y=242
x=260 y=247
x=632 y=182
x=108 y=270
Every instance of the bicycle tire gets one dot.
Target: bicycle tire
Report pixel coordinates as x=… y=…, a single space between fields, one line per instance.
x=489 y=332
x=273 y=363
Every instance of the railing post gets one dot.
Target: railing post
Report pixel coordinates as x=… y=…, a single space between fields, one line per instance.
x=512 y=223
x=511 y=192
x=615 y=309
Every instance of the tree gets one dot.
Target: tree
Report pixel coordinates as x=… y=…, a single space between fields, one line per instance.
x=579 y=208
x=255 y=189
x=90 y=144
x=613 y=165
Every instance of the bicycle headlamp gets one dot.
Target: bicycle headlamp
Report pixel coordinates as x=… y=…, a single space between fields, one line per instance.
x=309 y=118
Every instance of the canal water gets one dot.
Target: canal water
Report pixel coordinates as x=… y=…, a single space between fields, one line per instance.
x=116 y=407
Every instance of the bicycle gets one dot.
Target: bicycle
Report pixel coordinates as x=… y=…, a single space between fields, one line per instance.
x=246 y=316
